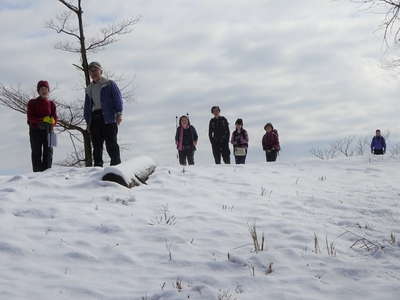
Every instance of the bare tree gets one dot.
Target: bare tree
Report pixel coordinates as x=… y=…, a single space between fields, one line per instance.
x=394 y=150
x=75 y=30
x=345 y=146
x=70 y=23
x=327 y=153
x=362 y=145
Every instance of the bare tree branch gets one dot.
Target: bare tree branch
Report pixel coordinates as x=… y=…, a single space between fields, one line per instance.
x=70 y=6
x=110 y=34
x=63 y=25
x=391 y=9
x=14 y=99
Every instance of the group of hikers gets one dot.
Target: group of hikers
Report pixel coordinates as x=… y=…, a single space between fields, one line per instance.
x=103 y=114
x=186 y=138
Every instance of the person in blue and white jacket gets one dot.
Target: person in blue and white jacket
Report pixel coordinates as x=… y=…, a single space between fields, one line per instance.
x=378 y=144
x=103 y=115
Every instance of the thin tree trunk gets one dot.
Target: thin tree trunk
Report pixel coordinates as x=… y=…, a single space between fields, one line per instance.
x=87 y=141
x=83 y=45
x=88 y=148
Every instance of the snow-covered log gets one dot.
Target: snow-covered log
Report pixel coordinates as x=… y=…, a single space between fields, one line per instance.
x=131 y=173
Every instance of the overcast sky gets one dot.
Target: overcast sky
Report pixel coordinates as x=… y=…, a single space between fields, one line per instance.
x=313 y=68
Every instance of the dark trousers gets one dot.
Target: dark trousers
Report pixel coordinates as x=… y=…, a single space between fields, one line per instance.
x=100 y=133
x=271 y=155
x=221 y=150
x=378 y=152
x=186 y=156
x=42 y=154
x=240 y=160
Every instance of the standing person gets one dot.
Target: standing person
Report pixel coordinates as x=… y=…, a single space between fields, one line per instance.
x=378 y=144
x=186 y=141
x=270 y=143
x=103 y=115
x=42 y=117
x=218 y=133
x=240 y=142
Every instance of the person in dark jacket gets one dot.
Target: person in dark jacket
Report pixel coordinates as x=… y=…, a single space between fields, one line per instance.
x=186 y=141
x=42 y=117
x=103 y=115
x=219 y=134
x=378 y=144
x=270 y=143
x=240 y=142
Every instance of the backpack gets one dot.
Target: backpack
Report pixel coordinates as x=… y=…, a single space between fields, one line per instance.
x=277 y=135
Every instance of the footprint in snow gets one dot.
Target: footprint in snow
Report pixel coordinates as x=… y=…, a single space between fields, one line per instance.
x=9 y=249
x=8 y=190
x=107 y=229
x=16 y=178
x=35 y=213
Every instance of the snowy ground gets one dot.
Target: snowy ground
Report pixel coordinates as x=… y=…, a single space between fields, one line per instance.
x=65 y=235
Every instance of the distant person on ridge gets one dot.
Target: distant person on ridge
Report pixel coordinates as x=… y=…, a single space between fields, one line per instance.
x=219 y=134
x=103 y=115
x=42 y=117
x=270 y=143
x=186 y=141
x=378 y=144
x=240 y=142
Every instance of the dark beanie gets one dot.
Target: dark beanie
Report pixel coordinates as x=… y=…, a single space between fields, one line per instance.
x=43 y=83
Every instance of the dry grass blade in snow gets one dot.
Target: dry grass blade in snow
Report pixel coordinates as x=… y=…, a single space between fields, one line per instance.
x=258 y=245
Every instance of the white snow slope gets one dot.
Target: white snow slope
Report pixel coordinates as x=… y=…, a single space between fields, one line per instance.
x=66 y=235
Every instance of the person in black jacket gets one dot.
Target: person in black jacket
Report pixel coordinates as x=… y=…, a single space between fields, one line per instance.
x=186 y=141
x=219 y=135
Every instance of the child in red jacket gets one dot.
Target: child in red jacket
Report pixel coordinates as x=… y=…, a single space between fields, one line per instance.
x=270 y=142
x=42 y=117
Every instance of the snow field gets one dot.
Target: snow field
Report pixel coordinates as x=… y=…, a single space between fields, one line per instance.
x=66 y=235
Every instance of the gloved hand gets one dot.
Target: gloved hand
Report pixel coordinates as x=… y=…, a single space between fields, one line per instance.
x=49 y=120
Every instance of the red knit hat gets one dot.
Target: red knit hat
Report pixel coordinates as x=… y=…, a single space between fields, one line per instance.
x=43 y=83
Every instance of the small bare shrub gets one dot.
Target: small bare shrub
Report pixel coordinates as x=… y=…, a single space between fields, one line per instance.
x=317 y=249
x=345 y=146
x=168 y=246
x=228 y=207
x=330 y=247
x=165 y=217
x=394 y=150
x=269 y=269
x=252 y=270
x=258 y=244
x=226 y=295
x=178 y=285
x=393 y=238
x=329 y=152
x=362 y=145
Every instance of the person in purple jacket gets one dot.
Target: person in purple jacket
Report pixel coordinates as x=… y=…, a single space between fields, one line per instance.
x=240 y=142
x=186 y=141
x=103 y=115
x=378 y=144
